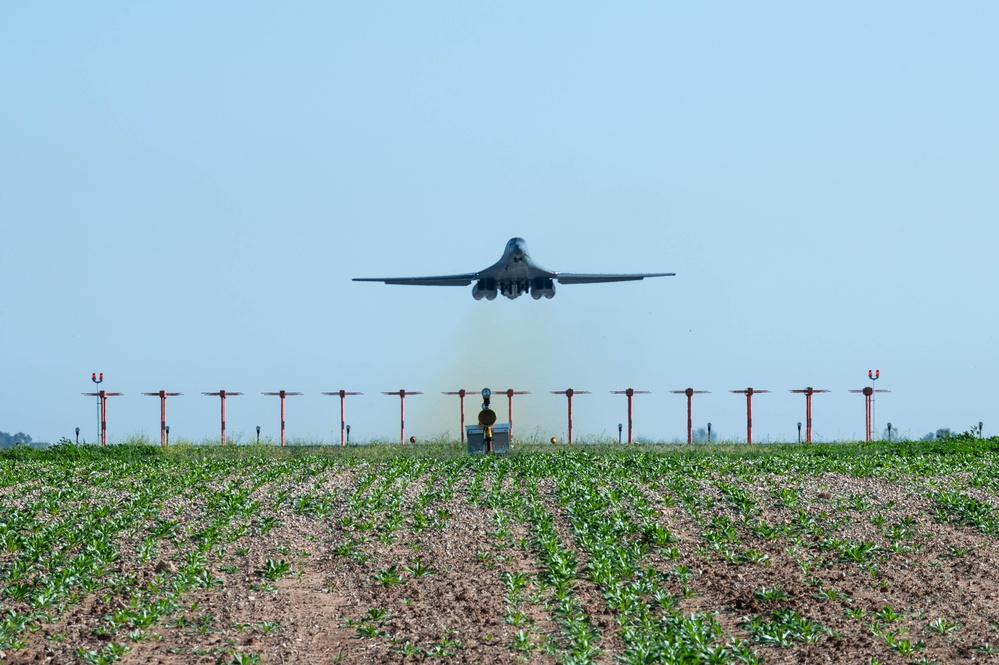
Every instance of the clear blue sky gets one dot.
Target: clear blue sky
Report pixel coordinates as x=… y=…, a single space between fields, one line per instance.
x=186 y=190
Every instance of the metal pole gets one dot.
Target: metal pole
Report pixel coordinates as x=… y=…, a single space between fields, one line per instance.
x=164 y=428
x=749 y=416
x=461 y=399
x=568 y=393
x=630 y=393
x=510 y=392
x=690 y=392
x=808 y=417
x=869 y=394
x=343 y=422
x=509 y=410
x=282 y=394
x=222 y=395
x=282 y=419
x=873 y=376
x=104 y=417
x=461 y=425
x=401 y=394
x=163 y=434
x=342 y=394
x=97 y=381
x=690 y=416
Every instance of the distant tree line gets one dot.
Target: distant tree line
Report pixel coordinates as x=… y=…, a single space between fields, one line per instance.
x=11 y=440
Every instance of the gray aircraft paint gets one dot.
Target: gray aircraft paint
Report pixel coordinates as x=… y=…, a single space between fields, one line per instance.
x=513 y=275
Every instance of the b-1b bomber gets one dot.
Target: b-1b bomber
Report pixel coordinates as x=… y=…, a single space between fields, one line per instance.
x=513 y=275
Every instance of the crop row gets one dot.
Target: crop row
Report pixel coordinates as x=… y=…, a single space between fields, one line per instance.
x=646 y=557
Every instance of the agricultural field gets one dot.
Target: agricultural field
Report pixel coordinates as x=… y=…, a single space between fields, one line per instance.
x=847 y=553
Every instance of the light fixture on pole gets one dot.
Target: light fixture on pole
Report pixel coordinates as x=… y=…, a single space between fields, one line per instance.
x=873 y=375
x=569 y=392
x=343 y=395
x=690 y=392
x=749 y=392
x=162 y=394
x=630 y=392
x=222 y=394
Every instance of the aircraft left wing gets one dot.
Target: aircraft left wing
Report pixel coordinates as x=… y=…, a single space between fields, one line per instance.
x=438 y=280
x=585 y=278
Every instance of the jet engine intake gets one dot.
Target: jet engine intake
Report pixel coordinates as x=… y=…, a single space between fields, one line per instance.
x=484 y=288
x=542 y=287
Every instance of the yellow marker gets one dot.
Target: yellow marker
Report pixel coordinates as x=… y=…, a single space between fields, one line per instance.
x=554 y=440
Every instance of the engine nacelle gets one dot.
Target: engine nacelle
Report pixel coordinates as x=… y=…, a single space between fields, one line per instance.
x=542 y=287
x=484 y=288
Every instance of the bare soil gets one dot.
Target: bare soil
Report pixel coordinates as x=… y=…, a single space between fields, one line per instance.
x=332 y=607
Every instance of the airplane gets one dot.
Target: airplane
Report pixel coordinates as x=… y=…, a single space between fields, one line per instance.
x=513 y=275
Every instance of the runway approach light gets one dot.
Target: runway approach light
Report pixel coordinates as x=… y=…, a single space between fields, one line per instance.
x=487 y=436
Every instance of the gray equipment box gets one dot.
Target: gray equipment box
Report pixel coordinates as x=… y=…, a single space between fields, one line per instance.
x=475 y=435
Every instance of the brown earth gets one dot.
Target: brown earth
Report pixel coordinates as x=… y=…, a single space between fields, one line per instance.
x=357 y=608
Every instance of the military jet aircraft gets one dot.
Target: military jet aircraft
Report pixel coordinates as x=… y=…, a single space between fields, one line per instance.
x=513 y=275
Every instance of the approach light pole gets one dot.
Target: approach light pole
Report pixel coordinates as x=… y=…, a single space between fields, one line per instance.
x=868 y=393
x=162 y=394
x=889 y=432
x=873 y=376
x=461 y=398
x=690 y=392
x=258 y=435
x=401 y=394
x=510 y=392
x=807 y=392
x=630 y=393
x=282 y=394
x=348 y=433
x=620 y=428
x=979 y=429
x=799 y=432
x=77 y=436
x=167 y=430
x=569 y=392
x=749 y=392
x=343 y=396
x=102 y=403
x=222 y=394
x=98 y=380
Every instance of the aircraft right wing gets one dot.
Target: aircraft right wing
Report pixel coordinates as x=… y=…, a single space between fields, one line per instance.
x=586 y=278
x=438 y=280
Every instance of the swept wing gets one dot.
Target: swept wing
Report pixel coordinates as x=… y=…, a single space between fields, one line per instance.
x=586 y=278
x=439 y=280
x=514 y=275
